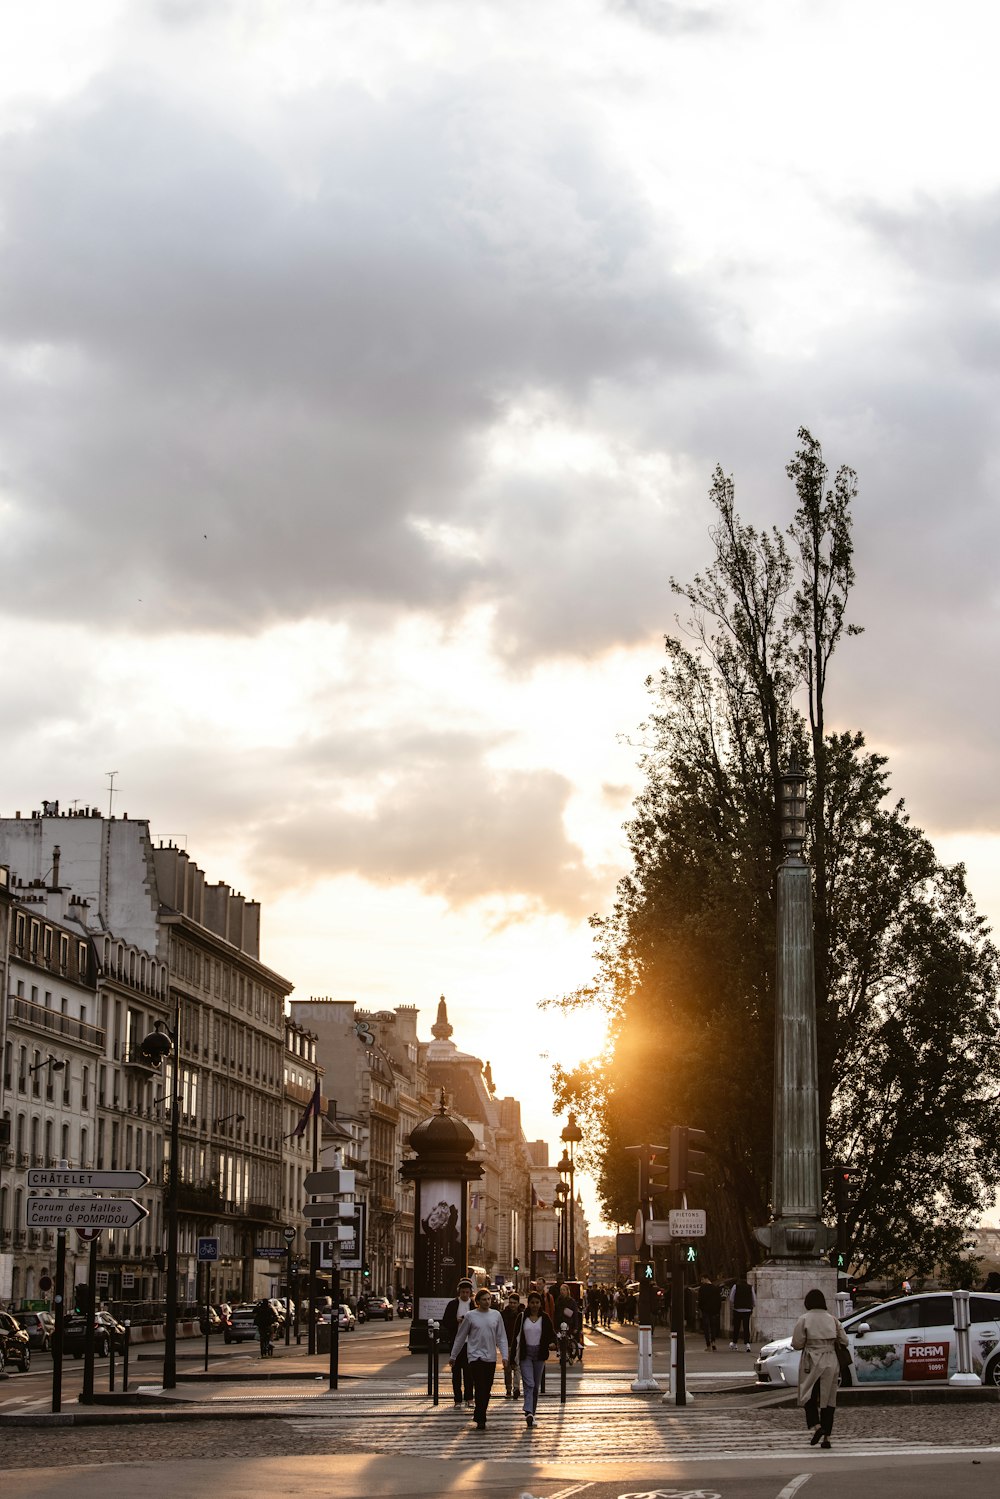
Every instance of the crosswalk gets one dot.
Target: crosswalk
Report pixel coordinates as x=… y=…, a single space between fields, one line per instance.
x=604 y=1431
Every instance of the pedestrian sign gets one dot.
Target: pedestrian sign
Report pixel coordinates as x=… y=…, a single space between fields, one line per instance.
x=690 y=1254
x=208 y=1250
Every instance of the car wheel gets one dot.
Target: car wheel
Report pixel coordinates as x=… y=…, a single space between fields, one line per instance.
x=46 y=1346
x=103 y=1349
x=25 y=1361
x=991 y=1374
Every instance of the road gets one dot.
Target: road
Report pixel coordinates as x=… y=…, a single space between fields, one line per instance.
x=378 y=1436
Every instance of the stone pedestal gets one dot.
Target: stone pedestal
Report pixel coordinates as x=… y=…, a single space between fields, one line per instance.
x=781 y=1291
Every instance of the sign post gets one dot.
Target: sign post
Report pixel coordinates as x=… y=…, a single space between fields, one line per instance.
x=289 y=1235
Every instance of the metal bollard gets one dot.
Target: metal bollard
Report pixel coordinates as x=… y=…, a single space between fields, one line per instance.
x=563 y=1330
x=128 y=1342
x=430 y=1356
x=435 y=1360
x=963 y=1374
x=111 y=1366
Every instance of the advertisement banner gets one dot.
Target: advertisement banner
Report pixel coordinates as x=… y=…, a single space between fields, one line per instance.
x=925 y=1361
x=440 y=1239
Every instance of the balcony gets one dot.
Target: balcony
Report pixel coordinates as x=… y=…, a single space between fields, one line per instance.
x=262 y=1212
x=51 y=1023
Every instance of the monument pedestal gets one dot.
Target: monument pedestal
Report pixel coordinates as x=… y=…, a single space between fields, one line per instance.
x=781 y=1290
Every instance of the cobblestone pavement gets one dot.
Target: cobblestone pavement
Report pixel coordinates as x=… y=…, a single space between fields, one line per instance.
x=594 y=1430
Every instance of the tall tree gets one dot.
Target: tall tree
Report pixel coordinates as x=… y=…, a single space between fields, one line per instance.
x=906 y=974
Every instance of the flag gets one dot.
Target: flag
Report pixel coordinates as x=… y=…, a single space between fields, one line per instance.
x=312 y=1108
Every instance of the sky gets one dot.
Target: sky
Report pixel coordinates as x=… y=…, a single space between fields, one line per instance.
x=363 y=369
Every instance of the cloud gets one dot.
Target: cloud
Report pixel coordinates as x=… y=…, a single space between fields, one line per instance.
x=234 y=392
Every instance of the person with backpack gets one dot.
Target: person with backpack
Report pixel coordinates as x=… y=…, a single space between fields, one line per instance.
x=264 y=1317
x=742 y=1300
x=534 y=1337
x=454 y=1314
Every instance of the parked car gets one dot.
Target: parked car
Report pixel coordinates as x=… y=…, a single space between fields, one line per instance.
x=14 y=1349
x=39 y=1326
x=377 y=1307
x=903 y=1342
x=242 y=1327
x=108 y=1333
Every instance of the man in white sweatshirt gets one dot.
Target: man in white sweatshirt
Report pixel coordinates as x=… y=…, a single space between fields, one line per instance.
x=483 y=1335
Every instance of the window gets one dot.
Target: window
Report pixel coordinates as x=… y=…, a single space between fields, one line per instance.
x=47 y=944
x=63 y=952
x=901 y=1314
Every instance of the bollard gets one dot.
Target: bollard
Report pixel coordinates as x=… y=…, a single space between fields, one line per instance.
x=436 y=1336
x=431 y=1329
x=128 y=1340
x=111 y=1366
x=563 y=1330
x=963 y=1355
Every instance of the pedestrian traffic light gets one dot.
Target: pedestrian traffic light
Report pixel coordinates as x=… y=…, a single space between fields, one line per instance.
x=647 y=1272
x=81 y=1297
x=690 y=1254
x=838 y=1259
x=687 y=1156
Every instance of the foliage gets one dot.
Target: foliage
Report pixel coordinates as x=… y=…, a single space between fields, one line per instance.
x=906 y=974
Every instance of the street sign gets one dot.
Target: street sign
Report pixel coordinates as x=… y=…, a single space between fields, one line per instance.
x=289 y=1235
x=83 y=1212
x=270 y=1252
x=86 y=1234
x=687 y=1223
x=334 y=1233
x=208 y=1249
x=658 y=1232
x=98 y=1181
x=320 y=1211
x=328 y=1181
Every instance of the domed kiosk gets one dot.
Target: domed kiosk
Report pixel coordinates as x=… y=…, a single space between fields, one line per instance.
x=441 y=1170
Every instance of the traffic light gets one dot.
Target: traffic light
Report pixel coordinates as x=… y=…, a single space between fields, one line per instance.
x=81 y=1297
x=653 y=1174
x=842 y=1190
x=687 y=1157
x=647 y=1272
x=517 y=1263
x=366 y=1272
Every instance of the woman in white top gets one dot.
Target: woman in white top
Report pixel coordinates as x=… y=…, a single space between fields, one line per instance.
x=533 y=1337
x=482 y=1334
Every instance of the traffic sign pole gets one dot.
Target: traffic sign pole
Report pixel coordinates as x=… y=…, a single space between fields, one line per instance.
x=87 y=1393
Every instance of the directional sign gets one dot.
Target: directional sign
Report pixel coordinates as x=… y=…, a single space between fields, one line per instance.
x=336 y=1233
x=687 y=1223
x=83 y=1212
x=318 y=1212
x=270 y=1252
x=328 y=1181
x=98 y=1181
x=208 y=1249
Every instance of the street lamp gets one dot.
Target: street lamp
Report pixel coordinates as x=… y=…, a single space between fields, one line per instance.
x=218 y=1123
x=793 y=809
x=571 y=1136
x=561 y=1191
x=50 y=1061
x=154 y=1050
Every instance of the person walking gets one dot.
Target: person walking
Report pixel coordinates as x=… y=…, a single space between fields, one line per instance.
x=569 y=1310
x=265 y=1317
x=534 y=1337
x=511 y=1315
x=454 y=1313
x=710 y=1307
x=817 y=1333
x=742 y=1299
x=481 y=1332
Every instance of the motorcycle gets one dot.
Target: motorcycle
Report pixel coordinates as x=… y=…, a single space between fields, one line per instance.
x=404 y=1307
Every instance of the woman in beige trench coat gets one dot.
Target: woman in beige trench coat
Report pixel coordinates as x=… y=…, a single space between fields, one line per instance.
x=817 y=1333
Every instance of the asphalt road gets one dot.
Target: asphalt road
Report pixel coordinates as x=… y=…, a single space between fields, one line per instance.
x=378 y=1437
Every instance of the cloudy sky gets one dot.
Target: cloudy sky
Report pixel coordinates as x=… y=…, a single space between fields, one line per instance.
x=363 y=366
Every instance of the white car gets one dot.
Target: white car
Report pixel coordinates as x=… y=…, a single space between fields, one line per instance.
x=347 y=1319
x=903 y=1342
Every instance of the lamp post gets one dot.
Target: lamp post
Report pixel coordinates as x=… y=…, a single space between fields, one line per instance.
x=52 y=1062
x=161 y=1043
x=561 y=1192
x=571 y=1137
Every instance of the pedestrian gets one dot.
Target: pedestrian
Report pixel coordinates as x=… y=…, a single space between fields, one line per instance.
x=817 y=1333
x=710 y=1307
x=264 y=1316
x=742 y=1299
x=534 y=1337
x=511 y=1315
x=481 y=1335
x=454 y=1313
x=569 y=1310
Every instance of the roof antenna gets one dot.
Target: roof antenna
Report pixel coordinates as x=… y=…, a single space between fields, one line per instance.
x=111 y=788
